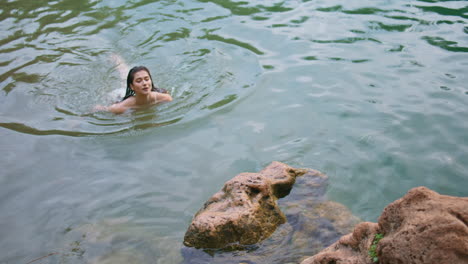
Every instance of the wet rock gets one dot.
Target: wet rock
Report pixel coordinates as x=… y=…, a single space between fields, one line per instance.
x=349 y=249
x=421 y=227
x=312 y=223
x=245 y=211
x=319 y=225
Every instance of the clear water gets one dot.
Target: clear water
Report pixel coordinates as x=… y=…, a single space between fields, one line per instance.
x=372 y=93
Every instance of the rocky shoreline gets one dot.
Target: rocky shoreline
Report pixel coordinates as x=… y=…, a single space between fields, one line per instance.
x=421 y=227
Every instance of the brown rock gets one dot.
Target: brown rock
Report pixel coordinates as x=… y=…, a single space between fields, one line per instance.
x=425 y=227
x=322 y=223
x=421 y=227
x=349 y=249
x=313 y=223
x=245 y=211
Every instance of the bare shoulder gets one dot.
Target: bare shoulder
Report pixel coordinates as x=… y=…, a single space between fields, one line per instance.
x=163 y=97
x=121 y=107
x=117 y=108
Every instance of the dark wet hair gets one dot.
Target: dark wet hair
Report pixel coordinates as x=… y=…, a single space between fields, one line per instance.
x=131 y=76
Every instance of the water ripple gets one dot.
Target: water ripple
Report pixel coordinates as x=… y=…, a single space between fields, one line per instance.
x=61 y=54
x=373 y=93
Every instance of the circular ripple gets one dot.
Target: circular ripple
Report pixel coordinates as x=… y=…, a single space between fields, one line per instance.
x=65 y=77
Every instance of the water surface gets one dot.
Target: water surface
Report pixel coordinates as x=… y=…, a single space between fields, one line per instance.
x=372 y=93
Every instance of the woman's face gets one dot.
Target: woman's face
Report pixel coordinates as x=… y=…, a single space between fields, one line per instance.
x=141 y=83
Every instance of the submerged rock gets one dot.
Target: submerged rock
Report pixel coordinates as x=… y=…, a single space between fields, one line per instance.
x=421 y=227
x=245 y=211
x=117 y=241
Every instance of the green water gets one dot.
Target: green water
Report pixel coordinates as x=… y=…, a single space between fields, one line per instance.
x=372 y=93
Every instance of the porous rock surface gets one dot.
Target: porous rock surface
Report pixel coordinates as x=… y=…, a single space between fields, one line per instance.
x=245 y=211
x=313 y=223
x=421 y=227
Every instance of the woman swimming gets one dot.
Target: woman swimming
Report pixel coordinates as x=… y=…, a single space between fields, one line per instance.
x=141 y=92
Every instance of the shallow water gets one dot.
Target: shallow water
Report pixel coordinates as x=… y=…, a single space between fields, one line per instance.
x=372 y=93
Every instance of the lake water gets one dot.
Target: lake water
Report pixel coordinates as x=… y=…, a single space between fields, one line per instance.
x=372 y=93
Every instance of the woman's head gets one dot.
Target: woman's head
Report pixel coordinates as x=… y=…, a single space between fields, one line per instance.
x=133 y=71
x=131 y=78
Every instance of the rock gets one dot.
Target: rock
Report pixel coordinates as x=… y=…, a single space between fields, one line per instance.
x=312 y=223
x=349 y=249
x=421 y=227
x=245 y=211
x=319 y=225
x=425 y=227
x=118 y=240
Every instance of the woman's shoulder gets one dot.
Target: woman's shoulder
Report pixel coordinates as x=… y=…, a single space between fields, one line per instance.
x=117 y=108
x=130 y=101
x=163 y=97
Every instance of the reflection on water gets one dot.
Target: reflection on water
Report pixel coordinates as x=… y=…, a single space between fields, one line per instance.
x=372 y=93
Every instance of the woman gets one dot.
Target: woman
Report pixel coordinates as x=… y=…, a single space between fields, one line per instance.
x=140 y=93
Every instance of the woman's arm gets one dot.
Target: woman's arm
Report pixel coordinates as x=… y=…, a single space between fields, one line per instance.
x=115 y=108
